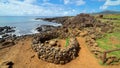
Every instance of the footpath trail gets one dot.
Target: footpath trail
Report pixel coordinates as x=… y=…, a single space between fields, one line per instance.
x=24 y=57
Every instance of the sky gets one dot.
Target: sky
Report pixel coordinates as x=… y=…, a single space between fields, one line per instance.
x=55 y=7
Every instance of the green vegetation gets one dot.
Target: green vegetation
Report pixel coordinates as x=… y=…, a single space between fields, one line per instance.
x=117 y=16
x=67 y=42
x=111 y=40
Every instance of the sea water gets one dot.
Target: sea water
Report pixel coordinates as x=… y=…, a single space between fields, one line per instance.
x=24 y=24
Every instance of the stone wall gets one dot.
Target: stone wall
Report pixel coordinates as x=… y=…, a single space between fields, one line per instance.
x=52 y=53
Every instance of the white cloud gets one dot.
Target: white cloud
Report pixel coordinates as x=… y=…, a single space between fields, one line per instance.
x=110 y=3
x=26 y=7
x=29 y=1
x=76 y=2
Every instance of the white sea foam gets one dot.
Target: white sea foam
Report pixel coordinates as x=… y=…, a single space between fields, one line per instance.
x=17 y=32
x=0 y=36
x=34 y=31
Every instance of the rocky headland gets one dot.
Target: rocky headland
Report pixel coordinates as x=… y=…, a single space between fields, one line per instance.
x=82 y=25
x=46 y=42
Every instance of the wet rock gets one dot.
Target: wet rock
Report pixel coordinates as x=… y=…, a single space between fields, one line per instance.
x=6 y=29
x=39 y=29
x=44 y=28
x=2 y=40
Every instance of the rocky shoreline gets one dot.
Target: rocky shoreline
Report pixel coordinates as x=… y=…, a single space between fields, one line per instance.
x=82 y=25
x=86 y=26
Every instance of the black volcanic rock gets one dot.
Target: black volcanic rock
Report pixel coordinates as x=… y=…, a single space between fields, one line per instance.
x=6 y=29
x=44 y=28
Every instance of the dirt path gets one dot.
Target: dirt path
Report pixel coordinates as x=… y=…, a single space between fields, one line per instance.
x=23 y=57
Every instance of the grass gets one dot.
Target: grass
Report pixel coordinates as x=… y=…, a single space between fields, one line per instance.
x=112 y=16
x=111 y=40
x=67 y=42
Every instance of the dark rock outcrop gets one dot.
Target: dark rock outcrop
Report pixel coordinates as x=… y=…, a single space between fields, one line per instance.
x=44 y=28
x=6 y=29
x=55 y=19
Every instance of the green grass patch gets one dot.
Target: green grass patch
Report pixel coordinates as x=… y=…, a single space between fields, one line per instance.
x=109 y=42
x=112 y=16
x=67 y=42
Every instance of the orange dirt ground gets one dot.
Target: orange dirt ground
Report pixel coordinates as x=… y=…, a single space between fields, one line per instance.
x=24 y=57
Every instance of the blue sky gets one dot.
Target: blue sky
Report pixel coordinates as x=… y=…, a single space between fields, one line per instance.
x=55 y=7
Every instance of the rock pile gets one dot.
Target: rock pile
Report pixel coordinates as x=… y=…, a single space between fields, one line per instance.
x=6 y=29
x=6 y=42
x=50 y=50
x=112 y=60
x=80 y=22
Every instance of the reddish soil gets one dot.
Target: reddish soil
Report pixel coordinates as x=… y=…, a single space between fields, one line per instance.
x=24 y=57
x=62 y=43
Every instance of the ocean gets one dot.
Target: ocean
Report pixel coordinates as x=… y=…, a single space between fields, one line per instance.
x=24 y=24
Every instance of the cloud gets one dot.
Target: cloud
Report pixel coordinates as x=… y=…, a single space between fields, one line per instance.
x=29 y=1
x=28 y=7
x=76 y=2
x=110 y=3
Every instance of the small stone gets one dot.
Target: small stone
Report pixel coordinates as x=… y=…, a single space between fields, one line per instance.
x=35 y=41
x=46 y=42
x=83 y=33
x=56 y=62
x=57 y=49
x=109 y=61
x=92 y=36
x=62 y=62
x=95 y=44
x=33 y=56
x=52 y=43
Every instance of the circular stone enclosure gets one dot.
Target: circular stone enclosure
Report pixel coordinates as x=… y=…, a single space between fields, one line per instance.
x=49 y=49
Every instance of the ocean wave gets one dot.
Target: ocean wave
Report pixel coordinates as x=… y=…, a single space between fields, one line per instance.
x=0 y=36
x=17 y=32
x=34 y=31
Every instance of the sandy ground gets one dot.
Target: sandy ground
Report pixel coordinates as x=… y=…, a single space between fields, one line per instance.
x=24 y=57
